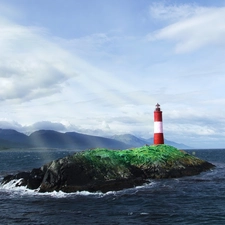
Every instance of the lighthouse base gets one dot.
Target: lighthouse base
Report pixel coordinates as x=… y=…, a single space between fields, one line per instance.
x=158 y=138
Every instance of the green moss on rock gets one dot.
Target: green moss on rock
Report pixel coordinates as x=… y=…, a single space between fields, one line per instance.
x=141 y=157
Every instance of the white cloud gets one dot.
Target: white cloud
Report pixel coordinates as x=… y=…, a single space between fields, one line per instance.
x=196 y=28
x=31 y=64
x=170 y=12
x=9 y=124
x=46 y=125
x=105 y=126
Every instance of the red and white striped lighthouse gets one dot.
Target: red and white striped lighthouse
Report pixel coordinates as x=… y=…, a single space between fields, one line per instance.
x=158 y=126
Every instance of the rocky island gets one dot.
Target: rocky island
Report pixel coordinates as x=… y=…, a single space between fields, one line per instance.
x=110 y=170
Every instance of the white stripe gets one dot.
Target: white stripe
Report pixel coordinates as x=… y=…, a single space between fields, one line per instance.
x=158 y=127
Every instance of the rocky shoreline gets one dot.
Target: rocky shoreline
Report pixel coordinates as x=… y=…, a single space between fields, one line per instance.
x=110 y=170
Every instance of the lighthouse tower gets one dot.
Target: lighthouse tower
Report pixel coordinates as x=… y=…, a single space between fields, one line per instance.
x=158 y=126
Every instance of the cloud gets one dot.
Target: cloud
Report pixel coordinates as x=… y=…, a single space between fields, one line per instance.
x=32 y=65
x=46 y=125
x=194 y=126
x=191 y=28
x=160 y=11
x=9 y=124
x=105 y=126
x=63 y=126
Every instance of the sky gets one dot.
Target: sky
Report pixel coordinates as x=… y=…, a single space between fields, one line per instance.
x=100 y=67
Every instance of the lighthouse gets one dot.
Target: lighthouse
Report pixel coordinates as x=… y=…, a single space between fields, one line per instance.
x=158 y=126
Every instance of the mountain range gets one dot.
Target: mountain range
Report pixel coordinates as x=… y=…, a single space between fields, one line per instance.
x=71 y=140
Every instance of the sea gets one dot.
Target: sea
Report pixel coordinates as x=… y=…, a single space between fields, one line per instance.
x=189 y=200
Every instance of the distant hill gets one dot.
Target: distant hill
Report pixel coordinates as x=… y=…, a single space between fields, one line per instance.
x=13 y=139
x=53 y=139
x=177 y=145
x=130 y=140
x=72 y=140
x=13 y=135
x=134 y=141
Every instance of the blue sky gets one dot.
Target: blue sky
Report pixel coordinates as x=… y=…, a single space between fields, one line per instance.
x=100 y=66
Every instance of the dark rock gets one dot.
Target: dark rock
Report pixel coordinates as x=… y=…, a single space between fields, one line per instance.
x=7 y=179
x=35 y=178
x=31 y=179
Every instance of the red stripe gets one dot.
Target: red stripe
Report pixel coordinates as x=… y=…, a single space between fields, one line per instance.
x=158 y=138
x=157 y=115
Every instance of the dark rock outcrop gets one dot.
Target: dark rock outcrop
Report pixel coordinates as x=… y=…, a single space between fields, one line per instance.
x=107 y=170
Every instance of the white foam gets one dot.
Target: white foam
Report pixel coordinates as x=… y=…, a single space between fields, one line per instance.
x=11 y=185
x=61 y=194
x=12 y=189
x=144 y=214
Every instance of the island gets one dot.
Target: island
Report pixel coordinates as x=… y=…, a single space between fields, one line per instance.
x=106 y=170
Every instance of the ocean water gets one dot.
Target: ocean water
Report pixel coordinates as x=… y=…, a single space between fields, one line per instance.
x=189 y=200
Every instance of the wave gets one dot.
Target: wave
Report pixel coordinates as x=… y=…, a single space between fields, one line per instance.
x=12 y=189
